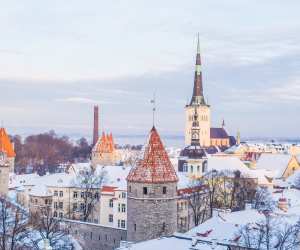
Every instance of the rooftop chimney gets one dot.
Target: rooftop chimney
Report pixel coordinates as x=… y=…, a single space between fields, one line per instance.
x=96 y=125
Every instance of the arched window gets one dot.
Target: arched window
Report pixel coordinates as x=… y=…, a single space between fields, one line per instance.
x=55 y=214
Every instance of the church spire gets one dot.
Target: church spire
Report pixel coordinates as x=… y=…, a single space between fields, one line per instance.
x=198 y=98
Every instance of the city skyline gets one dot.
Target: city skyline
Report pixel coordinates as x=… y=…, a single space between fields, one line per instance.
x=57 y=63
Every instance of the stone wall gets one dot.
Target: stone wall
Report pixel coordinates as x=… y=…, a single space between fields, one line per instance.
x=94 y=236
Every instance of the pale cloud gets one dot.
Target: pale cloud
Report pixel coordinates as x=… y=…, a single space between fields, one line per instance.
x=83 y=100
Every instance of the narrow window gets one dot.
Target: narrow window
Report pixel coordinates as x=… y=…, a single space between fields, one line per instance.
x=145 y=190
x=164 y=190
x=134 y=227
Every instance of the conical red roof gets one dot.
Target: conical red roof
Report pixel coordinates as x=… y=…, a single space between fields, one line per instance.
x=156 y=166
x=5 y=144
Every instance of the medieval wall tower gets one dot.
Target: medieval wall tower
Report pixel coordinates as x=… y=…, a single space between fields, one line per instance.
x=152 y=192
x=199 y=103
x=4 y=174
x=7 y=148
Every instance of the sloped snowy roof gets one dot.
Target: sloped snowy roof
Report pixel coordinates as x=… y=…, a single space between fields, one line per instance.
x=40 y=191
x=114 y=175
x=224 y=226
x=227 y=164
x=275 y=163
x=174 y=242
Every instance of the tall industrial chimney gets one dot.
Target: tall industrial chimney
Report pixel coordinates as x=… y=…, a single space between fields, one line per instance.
x=96 y=125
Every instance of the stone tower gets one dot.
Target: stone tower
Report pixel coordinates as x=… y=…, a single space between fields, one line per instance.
x=4 y=174
x=203 y=109
x=7 y=148
x=152 y=192
x=96 y=125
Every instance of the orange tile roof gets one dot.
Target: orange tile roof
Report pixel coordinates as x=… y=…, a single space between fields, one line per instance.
x=105 y=144
x=5 y=144
x=156 y=166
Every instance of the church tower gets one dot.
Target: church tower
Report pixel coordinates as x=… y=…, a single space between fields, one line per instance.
x=199 y=103
x=152 y=192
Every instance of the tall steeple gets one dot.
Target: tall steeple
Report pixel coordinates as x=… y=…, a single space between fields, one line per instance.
x=198 y=98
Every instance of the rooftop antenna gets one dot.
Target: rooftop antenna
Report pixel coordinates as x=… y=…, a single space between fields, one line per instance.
x=153 y=101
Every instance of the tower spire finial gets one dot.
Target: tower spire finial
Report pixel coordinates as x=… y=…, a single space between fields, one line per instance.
x=198 y=44
x=153 y=101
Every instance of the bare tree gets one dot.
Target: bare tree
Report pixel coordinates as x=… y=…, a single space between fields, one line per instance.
x=270 y=234
x=47 y=227
x=90 y=183
x=263 y=199
x=13 y=222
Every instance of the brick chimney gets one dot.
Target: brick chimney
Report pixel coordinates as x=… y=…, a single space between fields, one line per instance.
x=96 y=125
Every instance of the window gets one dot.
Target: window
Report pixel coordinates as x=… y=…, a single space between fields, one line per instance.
x=111 y=203
x=46 y=201
x=74 y=207
x=134 y=226
x=145 y=190
x=96 y=221
x=110 y=218
x=97 y=195
x=82 y=206
x=61 y=193
x=123 y=208
x=192 y=169
x=61 y=205
x=82 y=194
x=198 y=169
x=123 y=195
x=129 y=189
x=61 y=215
x=55 y=214
x=75 y=194
x=164 y=190
x=119 y=207
x=119 y=223
x=123 y=224
x=55 y=205
x=55 y=193
x=185 y=167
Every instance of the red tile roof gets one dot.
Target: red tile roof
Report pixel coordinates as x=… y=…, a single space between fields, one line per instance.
x=105 y=144
x=5 y=144
x=156 y=166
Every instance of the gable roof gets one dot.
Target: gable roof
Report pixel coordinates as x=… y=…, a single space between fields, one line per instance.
x=156 y=166
x=274 y=163
x=218 y=133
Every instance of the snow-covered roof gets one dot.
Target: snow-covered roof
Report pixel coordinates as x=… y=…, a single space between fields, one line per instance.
x=223 y=226
x=40 y=191
x=177 y=242
x=274 y=163
x=227 y=164
x=114 y=175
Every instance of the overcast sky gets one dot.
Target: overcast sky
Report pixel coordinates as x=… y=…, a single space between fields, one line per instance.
x=59 y=58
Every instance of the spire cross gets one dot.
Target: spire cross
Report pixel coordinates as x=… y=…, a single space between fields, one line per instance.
x=153 y=101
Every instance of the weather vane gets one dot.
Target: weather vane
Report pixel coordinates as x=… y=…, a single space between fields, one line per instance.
x=153 y=101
